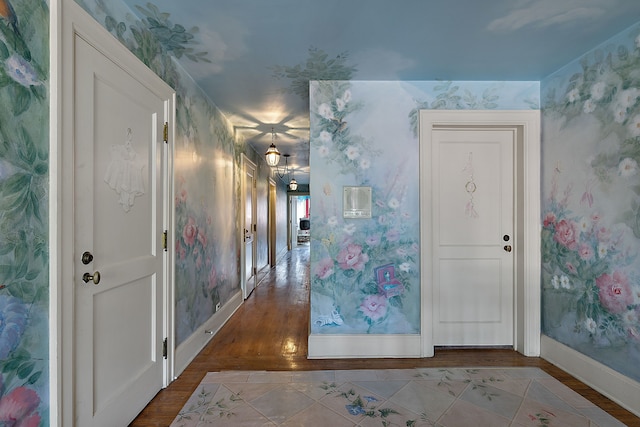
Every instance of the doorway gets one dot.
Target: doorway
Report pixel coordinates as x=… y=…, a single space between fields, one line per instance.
x=299 y=219
x=459 y=153
x=116 y=118
x=249 y=232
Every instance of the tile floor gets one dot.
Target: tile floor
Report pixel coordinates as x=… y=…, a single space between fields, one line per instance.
x=396 y=397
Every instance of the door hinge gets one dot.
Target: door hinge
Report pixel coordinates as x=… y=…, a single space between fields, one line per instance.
x=164 y=349
x=166 y=132
x=164 y=240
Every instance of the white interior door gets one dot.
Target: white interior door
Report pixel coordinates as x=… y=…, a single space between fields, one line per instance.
x=119 y=258
x=473 y=214
x=249 y=227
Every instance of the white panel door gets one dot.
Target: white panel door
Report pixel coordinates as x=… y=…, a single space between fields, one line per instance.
x=118 y=220
x=249 y=227
x=472 y=190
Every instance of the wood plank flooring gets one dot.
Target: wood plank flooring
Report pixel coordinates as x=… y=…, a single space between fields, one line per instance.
x=269 y=332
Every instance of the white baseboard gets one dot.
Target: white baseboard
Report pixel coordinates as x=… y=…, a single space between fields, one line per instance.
x=363 y=346
x=622 y=390
x=188 y=350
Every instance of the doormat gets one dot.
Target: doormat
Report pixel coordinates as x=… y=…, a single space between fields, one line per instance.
x=389 y=397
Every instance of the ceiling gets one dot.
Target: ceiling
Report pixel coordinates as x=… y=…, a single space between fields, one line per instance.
x=254 y=57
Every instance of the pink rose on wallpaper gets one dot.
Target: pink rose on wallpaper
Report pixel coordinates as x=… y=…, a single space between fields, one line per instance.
x=190 y=231
x=374 y=307
x=566 y=234
x=18 y=408
x=352 y=258
x=324 y=268
x=202 y=238
x=571 y=268
x=585 y=251
x=614 y=292
x=549 y=219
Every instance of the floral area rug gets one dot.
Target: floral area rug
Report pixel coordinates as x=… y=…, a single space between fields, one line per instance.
x=394 y=397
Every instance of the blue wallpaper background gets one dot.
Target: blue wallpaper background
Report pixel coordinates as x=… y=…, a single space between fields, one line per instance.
x=591 y=204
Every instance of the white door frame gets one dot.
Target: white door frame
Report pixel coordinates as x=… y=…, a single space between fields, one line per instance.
x=527 y=220
x=272 y=222
x=244 y=163
x=67 y=20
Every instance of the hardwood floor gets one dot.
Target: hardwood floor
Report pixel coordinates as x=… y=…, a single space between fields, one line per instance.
x=269 y=332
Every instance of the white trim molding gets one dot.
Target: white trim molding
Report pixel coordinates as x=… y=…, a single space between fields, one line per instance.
x=622 y=390
x=325 y=346
x=527 y=205
x=189 y=349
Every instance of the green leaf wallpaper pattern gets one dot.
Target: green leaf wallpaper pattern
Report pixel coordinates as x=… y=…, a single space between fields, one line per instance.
x=591 y=231
x=24 y=180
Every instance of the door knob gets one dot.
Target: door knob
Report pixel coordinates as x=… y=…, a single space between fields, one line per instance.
x=87 y=257
x=507 y=248
x=86 y=277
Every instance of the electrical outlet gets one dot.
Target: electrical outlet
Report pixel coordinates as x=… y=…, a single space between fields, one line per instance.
x=217 y=306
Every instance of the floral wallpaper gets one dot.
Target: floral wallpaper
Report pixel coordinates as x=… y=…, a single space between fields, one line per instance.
x=24 y=237
x=591 y=204
x=366 y=272
x=207 y=160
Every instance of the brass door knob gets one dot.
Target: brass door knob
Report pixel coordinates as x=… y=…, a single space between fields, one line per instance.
x=87 y=277
x=507 y=248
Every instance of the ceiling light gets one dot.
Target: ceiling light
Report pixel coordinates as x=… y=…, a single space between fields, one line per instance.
x=272 y=156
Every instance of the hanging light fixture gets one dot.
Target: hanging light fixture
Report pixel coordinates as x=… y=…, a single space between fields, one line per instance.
x=272 y=155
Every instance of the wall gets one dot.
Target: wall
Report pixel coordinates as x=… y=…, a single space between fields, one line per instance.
x=24 y=237
x=591 y=204
x=365 y=134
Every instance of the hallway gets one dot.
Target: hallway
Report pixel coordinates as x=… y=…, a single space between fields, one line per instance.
x=270 y=330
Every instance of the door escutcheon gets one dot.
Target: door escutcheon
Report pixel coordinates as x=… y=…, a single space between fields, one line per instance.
x=87 y=257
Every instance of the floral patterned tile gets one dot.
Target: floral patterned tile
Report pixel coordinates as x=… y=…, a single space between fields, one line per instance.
x=525 y=373
x=517 y=386
x=484 y=395
x=193 y=411
x=385 y=389
x=434 y=397
x=452 y=388
x=533 y=413
x=389 y=414
x=282 y=403
x=313 y=376
x=422 y=400
x=352 y=401
x=267 y=377
x=318 y=415
x=464 y=414
x=565 y=393
x=251 y=391
x=543 y=395
x=600 y=418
